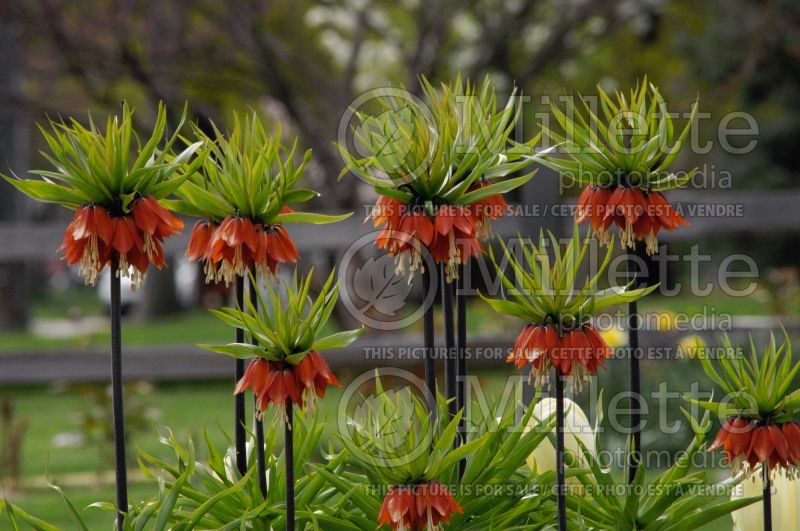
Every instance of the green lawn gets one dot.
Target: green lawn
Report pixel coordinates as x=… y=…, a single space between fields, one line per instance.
x=187 y=408
x=197 y=326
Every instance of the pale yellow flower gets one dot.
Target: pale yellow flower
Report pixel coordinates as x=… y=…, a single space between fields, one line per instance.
x=691 y=345
x=785 y=504
x=576 y=428
x=614 y=337
x=665 y=320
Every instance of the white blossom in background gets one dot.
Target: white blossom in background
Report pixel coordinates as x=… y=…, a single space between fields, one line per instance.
x=576 y=428
x=785 y=504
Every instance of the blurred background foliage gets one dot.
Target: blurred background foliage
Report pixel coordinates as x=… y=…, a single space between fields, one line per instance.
x=303 y=62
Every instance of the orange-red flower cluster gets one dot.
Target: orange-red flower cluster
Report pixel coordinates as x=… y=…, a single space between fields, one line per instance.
x=452 y=236
x=238 y=244
x=639 y=215
x=577 y=353
x=747 y=442
x=487 y=209
x=276 y=382
x=417 y=507
x=94 y=237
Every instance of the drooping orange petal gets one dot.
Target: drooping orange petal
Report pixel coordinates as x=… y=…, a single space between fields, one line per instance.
x=104 y=225
x=293 y=387
x=264 y=375
x=82 y=224
x=384 y=518
x=145 y=217
x=614 y=201
x=551 y=340
x=139 y=259
x=463 y=222
x=444 y=220
x=288 y=245
x=168 y=224
x=305 y=371
x=278 y=391
x=249 y=235
x=741 y=436
x=719 y=440
x=791 y=432
x=73 y=249
x=199 y=240
x=761 y=443
x=423 y=227
x=584 y=207
x=598 y=207
x=123 y=239
x=778 y=442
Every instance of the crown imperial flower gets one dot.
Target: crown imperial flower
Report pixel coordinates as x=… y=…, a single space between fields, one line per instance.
x=622 y=161
x=449 y=185
x=545 y=292
x=760 y=412
x=419 y=506
x=242 y=193
x=577 y=353
x=286 y=364
x=747 y=442
x=116 y=186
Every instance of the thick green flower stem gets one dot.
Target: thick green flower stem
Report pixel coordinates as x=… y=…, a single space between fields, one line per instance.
x=288 y=452
x=767 y=497
x=428 y=283
x=239 y=429
x=634 y=356
x=561 y=493
x=120 y=462
x=450 y=364
x=461 y=366
x=259 y=423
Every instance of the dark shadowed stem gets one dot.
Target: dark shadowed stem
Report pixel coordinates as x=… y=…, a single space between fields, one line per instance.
x=259 y=423
x=767 y=497
x=430 y=361
x=561 y=494
x=289 y=455
x=528 y=390
x=634 y=405
x=449 y=343
x=260 y=457
x=461 y=365
x=120 y=461
x=239 y=426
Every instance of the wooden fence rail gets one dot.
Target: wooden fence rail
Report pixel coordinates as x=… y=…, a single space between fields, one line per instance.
x=709 y=213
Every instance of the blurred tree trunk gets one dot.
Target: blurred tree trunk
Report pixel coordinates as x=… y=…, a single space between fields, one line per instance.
x=14 y=311
x=159 y=296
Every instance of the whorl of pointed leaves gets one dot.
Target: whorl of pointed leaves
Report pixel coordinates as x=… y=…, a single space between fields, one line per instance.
x=669 y=501
x=395 y=443
x=621 y=154
x=760 y=410
x=543 y=288
x=441 y=160
x=286 y=363
x=243 y=193
x=115 y=182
